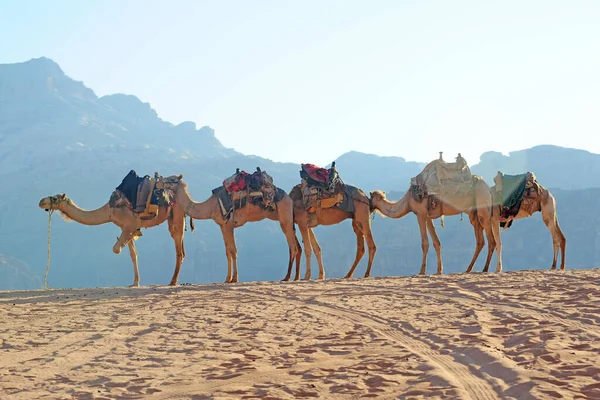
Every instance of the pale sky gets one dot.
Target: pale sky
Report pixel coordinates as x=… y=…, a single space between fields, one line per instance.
x=307 y=80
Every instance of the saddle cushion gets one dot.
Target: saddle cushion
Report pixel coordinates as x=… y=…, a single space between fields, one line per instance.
x=236 y=182
x=342 y=200
x=163 y=197
x=242 y=180
x=439 y=175
x=511 y=191
x=129 y=186
x=141 y=195
x=324 y=202
x=317 y=174
x=321 y=178
x=228 y=202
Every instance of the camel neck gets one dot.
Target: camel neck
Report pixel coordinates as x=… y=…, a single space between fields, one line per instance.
x=94 y=217
x=394 y=210
x=196 y=210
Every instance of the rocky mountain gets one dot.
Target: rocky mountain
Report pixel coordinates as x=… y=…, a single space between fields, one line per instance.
x=57 y=136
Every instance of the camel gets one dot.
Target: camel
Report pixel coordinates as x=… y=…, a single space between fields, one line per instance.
x=129 y=222
x=535 y=198
x=210 y=209
x=476 y=202
x=361 y=223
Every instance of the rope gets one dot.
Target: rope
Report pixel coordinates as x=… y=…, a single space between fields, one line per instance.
x=48 y=262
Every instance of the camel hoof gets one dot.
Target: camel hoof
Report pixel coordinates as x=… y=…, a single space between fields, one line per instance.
x=173 y=283
x=286 y=279
x=134 y=285
x=438 y=273
x=553 y=268
x=321 y=278
x=296 y=279
x=227 y=280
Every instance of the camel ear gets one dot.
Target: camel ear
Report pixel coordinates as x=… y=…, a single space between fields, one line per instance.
x=180 y=176
x=62 y=196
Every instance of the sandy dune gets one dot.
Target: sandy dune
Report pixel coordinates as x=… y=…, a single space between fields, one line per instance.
x=528 y=334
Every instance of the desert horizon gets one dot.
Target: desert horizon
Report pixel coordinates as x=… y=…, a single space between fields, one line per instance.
x=526 y=334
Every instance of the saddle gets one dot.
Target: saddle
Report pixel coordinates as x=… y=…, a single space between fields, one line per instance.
x=257 y=187
x=144 y=195
x=442 y=178
x=512 y=191
x=321 y=187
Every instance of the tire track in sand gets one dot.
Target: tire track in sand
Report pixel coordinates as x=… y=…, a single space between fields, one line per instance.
x=459 y=375
x=476 y=299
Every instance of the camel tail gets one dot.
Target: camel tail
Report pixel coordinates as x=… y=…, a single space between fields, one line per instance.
x=192 y=224
x=442 y=221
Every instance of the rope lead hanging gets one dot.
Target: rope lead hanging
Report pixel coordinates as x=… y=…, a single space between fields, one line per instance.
x=48 y=262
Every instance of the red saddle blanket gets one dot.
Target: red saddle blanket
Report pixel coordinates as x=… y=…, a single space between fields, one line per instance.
x=316 y=173
x=241 y=180
x=236 y=182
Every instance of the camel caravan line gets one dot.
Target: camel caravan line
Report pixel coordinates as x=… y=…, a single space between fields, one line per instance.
x=321 y=198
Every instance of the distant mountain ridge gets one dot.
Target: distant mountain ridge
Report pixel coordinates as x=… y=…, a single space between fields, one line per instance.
x=57 y=136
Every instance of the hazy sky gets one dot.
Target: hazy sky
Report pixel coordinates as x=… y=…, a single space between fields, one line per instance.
x=308 y=80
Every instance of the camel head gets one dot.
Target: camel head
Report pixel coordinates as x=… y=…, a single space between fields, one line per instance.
x=53 y=202
x=374 y=197
x=377 y=195
x=168 y=182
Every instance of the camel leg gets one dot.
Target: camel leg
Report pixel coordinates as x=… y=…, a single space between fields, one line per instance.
x=230 y=251
x=563 y=245
x=495 y=222
x=176 y=229
x=437 y=245
x=318 y=253
x=360 y=247
x=307 y=248
x=479 y=241
x=298 y=258
x=370 y=246
x=287 y=226
x=134 y=258
x=492 y=231
x=127 y=235
x=291 y=262
x=491 y=245
x=424 y=242
x=558 y=239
